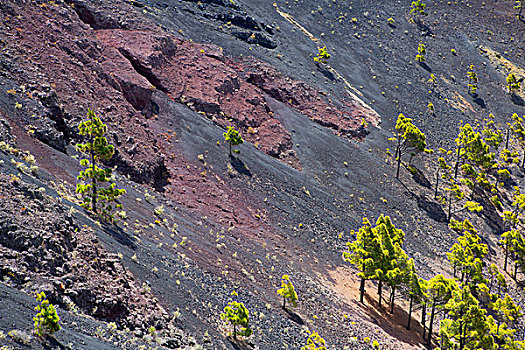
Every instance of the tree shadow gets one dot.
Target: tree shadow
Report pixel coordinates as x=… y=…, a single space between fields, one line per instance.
x=433 y=209
x=294 y=317
x=119 y=234
x=239 y=165
x=325 y=70
x=478 y=100
x=395 y=324
x=517 y=100
x=240 y=344
x=425 y=67
x=50 y=343
x=419 y=177
x=424 y=28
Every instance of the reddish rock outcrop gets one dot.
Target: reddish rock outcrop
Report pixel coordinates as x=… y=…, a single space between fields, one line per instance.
x=346 y=119
x=199 y=76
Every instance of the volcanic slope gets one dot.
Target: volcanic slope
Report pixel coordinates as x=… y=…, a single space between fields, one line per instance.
x=167 y=77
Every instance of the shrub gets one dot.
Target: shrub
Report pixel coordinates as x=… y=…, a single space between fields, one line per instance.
x=96 y=149
x=46 y=320
x=314 y=342
x=237 y=314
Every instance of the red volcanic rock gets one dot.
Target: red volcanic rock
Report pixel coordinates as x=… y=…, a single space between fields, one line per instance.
x=198 y=76
x=345 y=120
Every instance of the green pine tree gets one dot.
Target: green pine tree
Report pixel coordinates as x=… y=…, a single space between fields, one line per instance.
x=466 y=325
x=472 y=81
x=287 y=291
x=512 y=83
x=439 y=292
x=364 y=253
x=233 y=138
x=409 y=140
x=46 y=320
x=95 y=196
x=420 y=58
x=237 y=314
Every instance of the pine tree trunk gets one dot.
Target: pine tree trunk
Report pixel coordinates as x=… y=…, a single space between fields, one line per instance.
x=362 y=290
x=515 y=270
x=410 y=311
x=423 y=324
x=506 y=256
x=437 y=184
x=392 y=296
x=93 y=182
x=507 y=141
x=432 y=314
x=230 y=143
x=380 y=291
x=234 y=332
x=456 y=166
x=398 y=165
x=284 y=303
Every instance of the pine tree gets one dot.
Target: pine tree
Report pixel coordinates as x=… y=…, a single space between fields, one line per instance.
x=439 y=292
x=415 y=289
x=237 y=314
x=517 y=129
x=46 y=320
x=390 y=242
x=472 y=81
x=512 y=83
x=468 y=254
x=466 y=325
x=421 y=52
x=96 y=197
x=518 y=6
x=322 y=55
x=418 y=8
x=506 y=312
x=287 y=291
x=409 y=139
x=509 y=241
x=364 y=253
x=233 y=138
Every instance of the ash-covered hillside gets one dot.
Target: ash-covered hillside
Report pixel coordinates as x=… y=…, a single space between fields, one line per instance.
x=199 y=228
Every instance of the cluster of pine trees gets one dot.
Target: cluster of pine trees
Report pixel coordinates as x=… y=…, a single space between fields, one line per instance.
x=475 y=310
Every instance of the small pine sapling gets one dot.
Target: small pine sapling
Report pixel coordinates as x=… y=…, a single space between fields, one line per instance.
x=46 y=320
x=322 y=55
x=233 y=138
x=512 y=83
x=391 y=22
x=237 y=314
x=287 y=291
x=472 y=81
x=431 y=108
x=421 y=52
x=418 y=8
x=314 y=342
x=96 y=149
x=518 y=6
